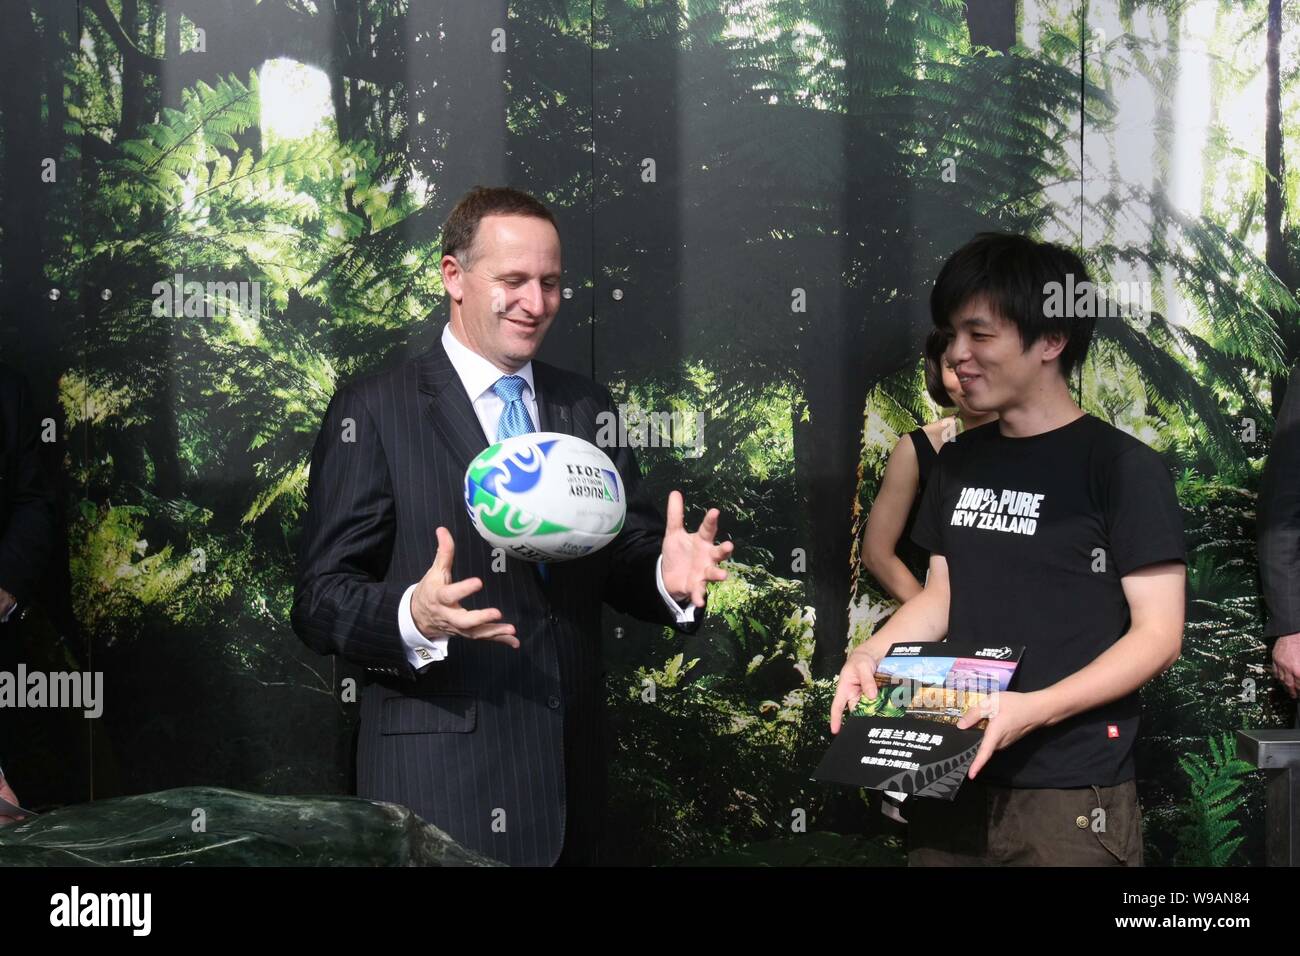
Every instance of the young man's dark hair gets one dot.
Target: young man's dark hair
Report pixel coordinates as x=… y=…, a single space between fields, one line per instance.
x=935 y=345
x=1013 y=271
x=462 y=224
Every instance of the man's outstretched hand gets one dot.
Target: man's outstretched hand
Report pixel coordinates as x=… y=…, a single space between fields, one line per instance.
x=692 y=560
x=435 y=603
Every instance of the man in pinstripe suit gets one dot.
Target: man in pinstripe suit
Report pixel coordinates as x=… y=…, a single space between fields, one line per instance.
x=485 y=720
x=1279 y=540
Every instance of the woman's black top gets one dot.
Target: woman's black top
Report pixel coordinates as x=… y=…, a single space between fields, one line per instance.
x=914 y=556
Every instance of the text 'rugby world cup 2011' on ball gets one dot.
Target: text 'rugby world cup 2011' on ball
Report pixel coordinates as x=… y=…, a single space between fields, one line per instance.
x=545 y=496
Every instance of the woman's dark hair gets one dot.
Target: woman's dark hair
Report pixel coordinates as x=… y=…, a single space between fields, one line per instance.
x=936 y=343
x=1016 y=273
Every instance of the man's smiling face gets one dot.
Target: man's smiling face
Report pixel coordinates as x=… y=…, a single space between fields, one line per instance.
x=510 y=293
x=994 y=369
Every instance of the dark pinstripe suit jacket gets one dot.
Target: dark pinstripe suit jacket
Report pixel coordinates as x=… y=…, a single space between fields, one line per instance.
x=1279 y=518
x=503 y=749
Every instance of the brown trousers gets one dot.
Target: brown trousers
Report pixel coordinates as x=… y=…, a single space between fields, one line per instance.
x=988 y=825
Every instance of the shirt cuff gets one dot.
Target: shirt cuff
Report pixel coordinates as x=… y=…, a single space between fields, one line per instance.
x=684 y=615
x=420 y=650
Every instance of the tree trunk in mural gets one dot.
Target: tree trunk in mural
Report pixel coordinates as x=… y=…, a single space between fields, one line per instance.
x=992 y=23
x=851 y=351
x=24 y=197
x=848 y=359
x=475 y=137
x=830 y=441
x=1163 y=133
x=135 y=95
x=1275 y=251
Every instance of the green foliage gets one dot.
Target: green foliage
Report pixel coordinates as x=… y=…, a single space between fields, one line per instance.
x=1208 y=837
x=747 y=445
x=1222 y=651
x=717 y=767
x=118 y=578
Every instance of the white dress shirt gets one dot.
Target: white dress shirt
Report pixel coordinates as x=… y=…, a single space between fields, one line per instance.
x=478 y=375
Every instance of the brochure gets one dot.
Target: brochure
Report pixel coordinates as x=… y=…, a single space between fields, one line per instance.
x=906 y=738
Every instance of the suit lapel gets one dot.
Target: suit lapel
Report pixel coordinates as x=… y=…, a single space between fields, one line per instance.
x=447 y=406
x=449 y=409
x=554 y=405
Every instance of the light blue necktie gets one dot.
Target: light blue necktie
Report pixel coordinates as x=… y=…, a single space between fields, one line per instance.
x=515 y=421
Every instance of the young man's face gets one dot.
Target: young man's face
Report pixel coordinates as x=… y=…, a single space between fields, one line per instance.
x=994 y=370
x=511 y=292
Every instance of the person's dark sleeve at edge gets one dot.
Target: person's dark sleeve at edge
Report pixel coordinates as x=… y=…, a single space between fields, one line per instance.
x=1279 y=520
x=28 y=520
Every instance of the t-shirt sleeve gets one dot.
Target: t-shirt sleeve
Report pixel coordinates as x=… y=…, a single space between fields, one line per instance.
x=1143 y=517
x=926 y=530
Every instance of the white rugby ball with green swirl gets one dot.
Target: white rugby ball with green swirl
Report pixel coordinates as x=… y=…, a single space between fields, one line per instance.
x=545 y=496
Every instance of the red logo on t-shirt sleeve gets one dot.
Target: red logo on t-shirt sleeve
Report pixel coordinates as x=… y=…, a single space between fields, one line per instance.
x=1112 y=731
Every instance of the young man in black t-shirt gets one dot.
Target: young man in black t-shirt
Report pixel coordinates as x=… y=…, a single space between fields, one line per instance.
x=1050 y=529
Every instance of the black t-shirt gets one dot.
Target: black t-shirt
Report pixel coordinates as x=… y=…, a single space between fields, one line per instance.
x=1037 y=533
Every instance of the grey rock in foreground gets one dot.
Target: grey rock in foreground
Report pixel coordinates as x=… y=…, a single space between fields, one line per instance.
x=240 y=829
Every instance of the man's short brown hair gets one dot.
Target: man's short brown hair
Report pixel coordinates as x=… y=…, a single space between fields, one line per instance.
x=461 y=228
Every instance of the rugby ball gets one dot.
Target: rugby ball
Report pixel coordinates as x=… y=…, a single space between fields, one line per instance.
x=545 y=496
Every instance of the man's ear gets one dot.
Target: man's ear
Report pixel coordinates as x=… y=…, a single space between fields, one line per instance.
x=1053 y=344
x=452 y=277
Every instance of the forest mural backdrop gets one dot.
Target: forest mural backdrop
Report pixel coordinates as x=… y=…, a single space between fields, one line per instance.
x=214 y=212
